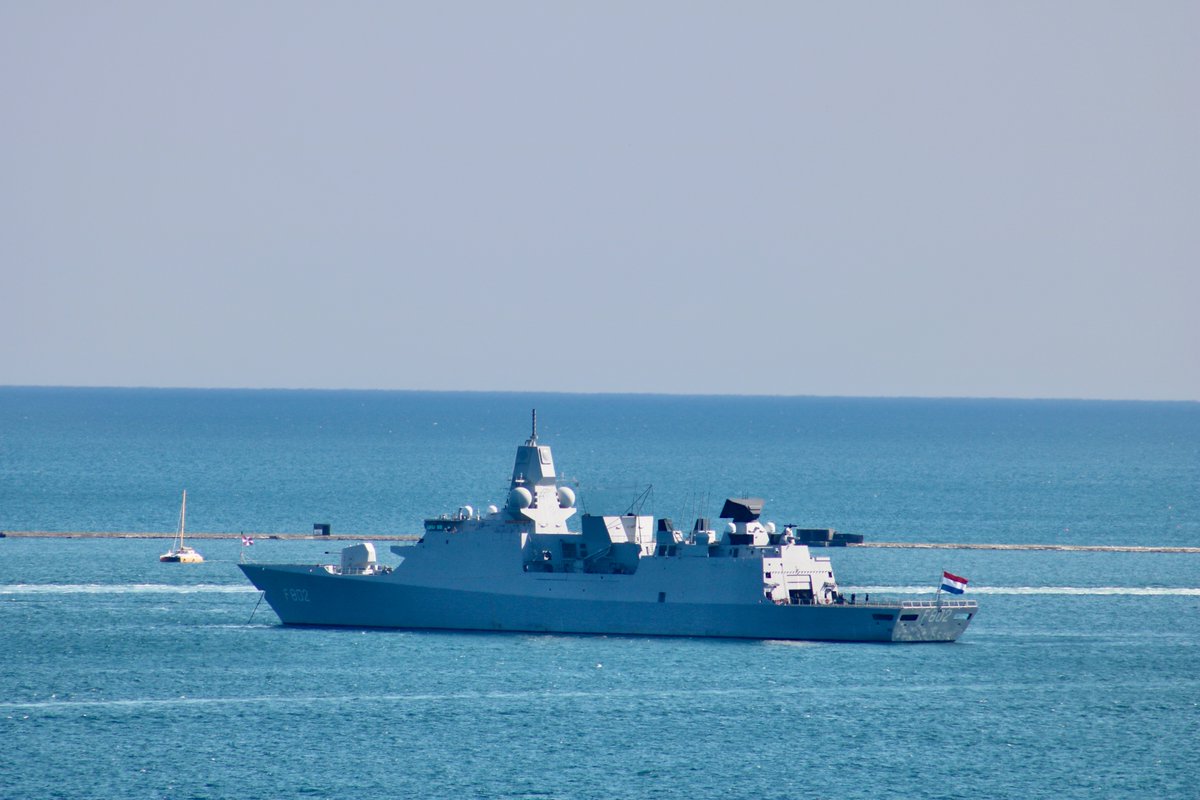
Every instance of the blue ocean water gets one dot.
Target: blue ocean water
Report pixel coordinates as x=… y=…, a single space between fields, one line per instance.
x=121 y=677
x=380 y=462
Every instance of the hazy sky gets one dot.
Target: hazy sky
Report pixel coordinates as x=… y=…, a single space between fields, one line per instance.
x=952 y=198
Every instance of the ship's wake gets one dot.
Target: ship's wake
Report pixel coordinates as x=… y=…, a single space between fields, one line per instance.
x=1151 y=591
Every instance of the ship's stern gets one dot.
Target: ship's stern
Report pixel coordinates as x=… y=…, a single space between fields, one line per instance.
x=930 y=621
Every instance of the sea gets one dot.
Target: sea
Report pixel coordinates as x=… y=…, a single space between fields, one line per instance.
x=122 y=677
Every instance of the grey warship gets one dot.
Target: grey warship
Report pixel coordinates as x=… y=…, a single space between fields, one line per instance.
x=518 y=568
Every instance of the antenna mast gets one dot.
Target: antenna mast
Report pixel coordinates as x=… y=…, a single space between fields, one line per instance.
x=636 y=506
x=533 y=435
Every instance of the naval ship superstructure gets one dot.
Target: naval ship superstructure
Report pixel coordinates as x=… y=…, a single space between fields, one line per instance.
x=520 y=568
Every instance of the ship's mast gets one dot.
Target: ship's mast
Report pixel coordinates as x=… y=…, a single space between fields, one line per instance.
x=532 y=440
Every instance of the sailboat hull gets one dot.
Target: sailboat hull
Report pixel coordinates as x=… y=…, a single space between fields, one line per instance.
x=181 y=558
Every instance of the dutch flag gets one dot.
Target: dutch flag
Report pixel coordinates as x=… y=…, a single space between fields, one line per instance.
x=953 y=584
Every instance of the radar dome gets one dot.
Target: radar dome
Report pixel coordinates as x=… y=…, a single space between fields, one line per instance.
x=520 y=498
x=730 y=527
x=566 y=497
x=770 y=527
x=468 y=512
x=493 y=510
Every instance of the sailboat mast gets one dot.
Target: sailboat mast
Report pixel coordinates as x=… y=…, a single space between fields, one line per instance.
x=182 y=517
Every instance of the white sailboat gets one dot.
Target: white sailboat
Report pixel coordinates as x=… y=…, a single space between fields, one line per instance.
x=180 y=553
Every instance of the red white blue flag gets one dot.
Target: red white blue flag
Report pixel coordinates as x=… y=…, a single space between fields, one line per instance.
x=953 y=583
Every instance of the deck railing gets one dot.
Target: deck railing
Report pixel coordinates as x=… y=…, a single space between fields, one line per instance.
x=893 y=602
x=938 y=603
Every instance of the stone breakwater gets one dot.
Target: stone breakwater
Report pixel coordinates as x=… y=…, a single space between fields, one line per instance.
x=1079 y=548
x=190 y=535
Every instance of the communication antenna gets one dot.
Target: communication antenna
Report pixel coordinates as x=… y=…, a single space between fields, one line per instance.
x=635 y=508
x=533 y=436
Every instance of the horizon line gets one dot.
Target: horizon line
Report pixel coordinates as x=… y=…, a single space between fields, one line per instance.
x=298 y=389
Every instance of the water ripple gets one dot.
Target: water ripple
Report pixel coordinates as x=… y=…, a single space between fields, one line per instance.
x=124 y=588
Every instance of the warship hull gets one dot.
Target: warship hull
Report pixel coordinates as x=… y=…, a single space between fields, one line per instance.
x=590 y=604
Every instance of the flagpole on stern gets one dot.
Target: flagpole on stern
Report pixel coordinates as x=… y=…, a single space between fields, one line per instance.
x=951 y=583
x=938 y=596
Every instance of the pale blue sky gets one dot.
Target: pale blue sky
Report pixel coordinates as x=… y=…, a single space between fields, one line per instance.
x=782 y=198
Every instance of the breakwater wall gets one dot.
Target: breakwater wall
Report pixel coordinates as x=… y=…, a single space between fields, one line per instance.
x=190 y=536
x=1068 y=548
